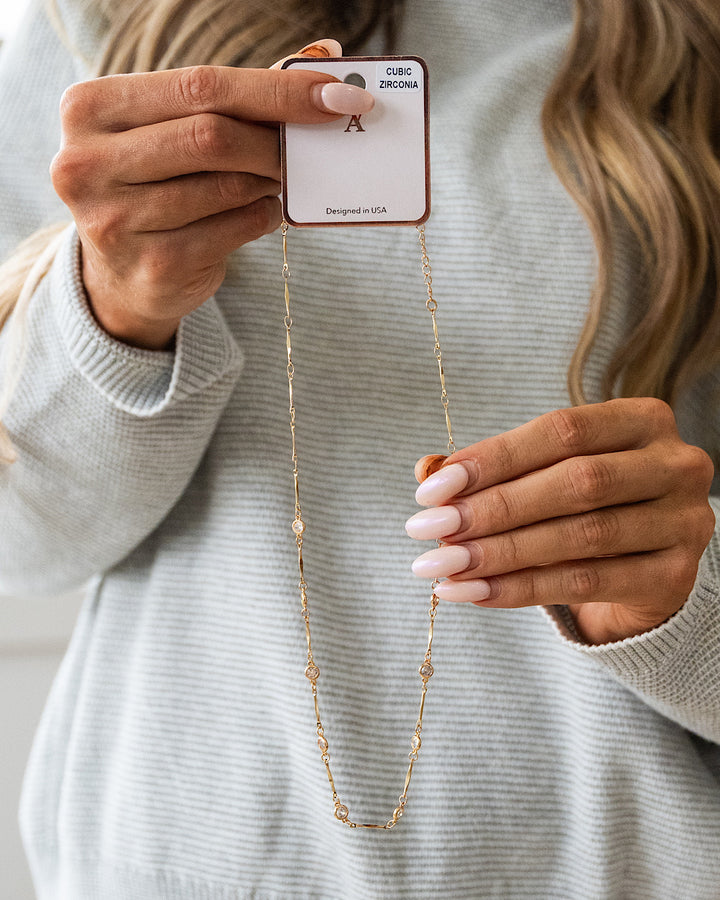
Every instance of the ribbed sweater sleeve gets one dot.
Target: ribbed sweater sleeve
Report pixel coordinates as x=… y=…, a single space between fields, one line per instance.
x=108 y=436
x=674 y=668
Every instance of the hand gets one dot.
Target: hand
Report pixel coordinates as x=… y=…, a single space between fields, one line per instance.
x=168 y=172
x=602 y=508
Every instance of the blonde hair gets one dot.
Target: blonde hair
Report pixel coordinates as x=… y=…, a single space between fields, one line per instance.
x=629 y=125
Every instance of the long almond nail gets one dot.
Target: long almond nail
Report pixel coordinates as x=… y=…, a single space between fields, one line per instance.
x=347 y=99
x=442 y=562
x=443 y=485
x=464 y=591
x=437 y=522
x=322 y=49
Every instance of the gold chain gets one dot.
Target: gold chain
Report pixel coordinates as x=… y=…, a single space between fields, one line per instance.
x=312 y=671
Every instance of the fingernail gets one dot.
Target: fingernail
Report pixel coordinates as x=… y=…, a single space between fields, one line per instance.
x=348 y=99
x=442 y=562
x=443 y=485
x=464 y=591
x=437 y=522
x=428 y=465
x=322 y=49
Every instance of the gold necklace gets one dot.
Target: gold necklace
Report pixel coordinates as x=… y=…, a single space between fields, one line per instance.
x=312 y=670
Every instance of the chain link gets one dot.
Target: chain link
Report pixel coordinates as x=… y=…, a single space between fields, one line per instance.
x=312 y=670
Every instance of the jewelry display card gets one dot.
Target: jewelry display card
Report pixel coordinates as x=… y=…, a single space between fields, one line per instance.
x=366 y=169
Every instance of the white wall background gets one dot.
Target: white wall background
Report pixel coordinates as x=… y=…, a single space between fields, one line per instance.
x=33 y=635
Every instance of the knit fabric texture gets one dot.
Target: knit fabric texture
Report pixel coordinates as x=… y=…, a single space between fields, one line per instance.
x=177 y=756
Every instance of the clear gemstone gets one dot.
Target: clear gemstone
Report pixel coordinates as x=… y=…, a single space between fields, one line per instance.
x=426 y=670
x=322 y=744
x=341 y=812
x=416 y=742
x=298 y=526
x=312 y=672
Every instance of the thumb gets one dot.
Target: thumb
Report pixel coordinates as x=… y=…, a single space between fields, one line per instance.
x=333 y=97
x=322 y=49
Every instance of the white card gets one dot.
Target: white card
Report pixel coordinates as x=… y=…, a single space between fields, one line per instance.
x=370 y=169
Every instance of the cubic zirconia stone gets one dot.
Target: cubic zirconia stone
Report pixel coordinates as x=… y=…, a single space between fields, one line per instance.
x=426 y=670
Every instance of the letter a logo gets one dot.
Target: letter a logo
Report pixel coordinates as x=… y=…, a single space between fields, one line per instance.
x=354 y=123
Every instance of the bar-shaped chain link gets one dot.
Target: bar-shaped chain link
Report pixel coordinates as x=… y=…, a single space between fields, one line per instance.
x=312 y=670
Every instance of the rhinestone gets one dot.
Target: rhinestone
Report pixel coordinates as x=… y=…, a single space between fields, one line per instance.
x=322 y=744
x=341 y=812
x=298 y=526
x=416 y=742
x=426 y=670
x=312 y=672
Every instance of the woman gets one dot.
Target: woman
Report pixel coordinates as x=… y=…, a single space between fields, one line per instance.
x=567 y=751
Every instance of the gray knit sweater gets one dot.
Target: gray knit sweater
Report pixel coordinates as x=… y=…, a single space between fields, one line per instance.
x=177 y=757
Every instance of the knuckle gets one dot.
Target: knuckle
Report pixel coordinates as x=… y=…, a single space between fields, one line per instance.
x=67 y=173
x=657 y=411
x=197 y=86
x=282 y=94
x=681 y=571
x=707 y=525
x=589 y=480
x=158 y=263
x=698 y=464
x=512 y=551
x=571 y=428
x=231 y=189
x=504 y=454
x=580 y=583
x=500 y=508
x=528 y=590
x=78 y=104
x=689 y=468
x=697 y=528
x=597 y=532
x=262 y=216
x=106 y=228
x=74 y=172
x=207 y=137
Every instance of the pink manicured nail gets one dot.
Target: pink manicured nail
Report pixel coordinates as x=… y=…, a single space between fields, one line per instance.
x=443 y=485
x=464 y=591
x=441 y=562
x=323 y=48
x=336 y=97
x=437 y=522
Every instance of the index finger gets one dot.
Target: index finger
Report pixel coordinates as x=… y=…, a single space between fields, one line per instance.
x=121 y=102
x=562 y=434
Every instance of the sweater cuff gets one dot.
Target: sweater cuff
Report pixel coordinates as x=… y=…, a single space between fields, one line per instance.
x=636 y=657
x=697 y=620
x=674 y=668
x=139 y=382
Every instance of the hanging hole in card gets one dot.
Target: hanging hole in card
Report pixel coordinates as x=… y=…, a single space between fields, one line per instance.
x=366 y=169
